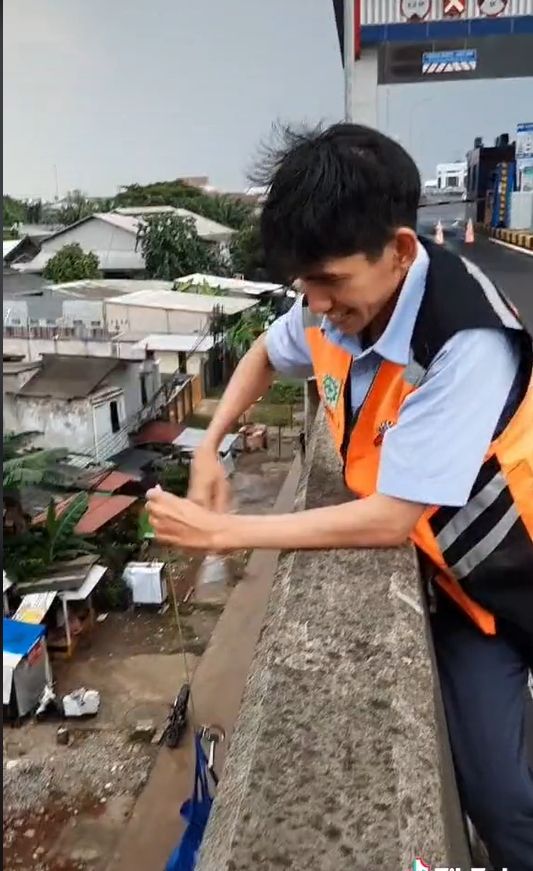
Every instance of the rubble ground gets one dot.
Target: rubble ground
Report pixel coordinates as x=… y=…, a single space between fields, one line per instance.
x=65 y=806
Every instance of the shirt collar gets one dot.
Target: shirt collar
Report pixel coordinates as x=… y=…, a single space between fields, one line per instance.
x=395 y=341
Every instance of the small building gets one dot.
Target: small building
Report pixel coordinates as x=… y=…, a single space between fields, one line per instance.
x=113 y=238
x=64 y=605
x=191 y=437
x=190 y=354
x=452 y=175
x=168 y=311
x=89 y=404
x=26 y=668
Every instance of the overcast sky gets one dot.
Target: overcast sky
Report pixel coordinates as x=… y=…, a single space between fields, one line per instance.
x=118 y=91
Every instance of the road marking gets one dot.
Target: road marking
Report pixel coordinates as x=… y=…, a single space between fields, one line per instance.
x=516 y=248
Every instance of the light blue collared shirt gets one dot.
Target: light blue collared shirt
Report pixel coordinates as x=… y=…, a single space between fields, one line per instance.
x=435 y=451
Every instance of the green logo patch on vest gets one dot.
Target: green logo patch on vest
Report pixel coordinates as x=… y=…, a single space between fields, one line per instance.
x=331 y=388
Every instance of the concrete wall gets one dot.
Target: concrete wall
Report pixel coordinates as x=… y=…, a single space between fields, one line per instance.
x=94 y=235
x=143 y=319
x=83 y=424
x=50 y=307
x=33 y=349
x=339 y=760
x=62 y=424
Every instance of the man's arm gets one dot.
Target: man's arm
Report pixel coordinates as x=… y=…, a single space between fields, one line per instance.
x=377 y=521
x=252 y=377
x=283 y=349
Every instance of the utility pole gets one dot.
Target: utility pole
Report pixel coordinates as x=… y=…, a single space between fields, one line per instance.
x=349 y=57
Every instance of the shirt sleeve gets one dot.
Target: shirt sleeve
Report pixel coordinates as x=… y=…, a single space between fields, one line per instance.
x=434 y=453
x=287 y=346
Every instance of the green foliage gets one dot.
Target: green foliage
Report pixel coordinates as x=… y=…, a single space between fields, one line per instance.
x=31 y=553
x=173 y=476
x=243 y=333
x=203 y=288
x=71 y=263
x=286 y=392
x=78 y=206
x=14 y=211
x=247 y=255
x=218 y=207
x=171 y=248
x=59 y=529
x=32 y=469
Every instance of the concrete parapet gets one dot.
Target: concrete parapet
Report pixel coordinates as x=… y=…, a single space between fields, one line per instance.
x=340 y=758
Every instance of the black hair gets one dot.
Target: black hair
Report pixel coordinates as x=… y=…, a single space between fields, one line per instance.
x=332 y=193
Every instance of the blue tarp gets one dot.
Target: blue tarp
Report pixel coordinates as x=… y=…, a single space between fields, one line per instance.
x=19 y=638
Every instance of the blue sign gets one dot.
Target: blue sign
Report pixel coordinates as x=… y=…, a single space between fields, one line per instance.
x=439 y=62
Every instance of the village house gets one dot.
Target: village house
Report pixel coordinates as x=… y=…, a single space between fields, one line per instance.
x=89 y=405
x=113 y=238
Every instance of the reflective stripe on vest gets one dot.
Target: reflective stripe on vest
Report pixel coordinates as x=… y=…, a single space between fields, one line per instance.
x=476 y=549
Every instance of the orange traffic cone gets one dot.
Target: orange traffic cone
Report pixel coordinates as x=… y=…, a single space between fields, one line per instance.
x=469 y=235
x=439 y=234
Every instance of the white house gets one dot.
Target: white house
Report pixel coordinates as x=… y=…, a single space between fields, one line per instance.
x=167 y=311
x=113 y=237
x=452 y=175
x=87 y=404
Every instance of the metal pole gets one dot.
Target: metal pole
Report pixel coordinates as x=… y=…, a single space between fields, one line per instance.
x=349 y=58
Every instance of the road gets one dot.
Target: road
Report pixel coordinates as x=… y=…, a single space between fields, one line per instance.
x=512 y=271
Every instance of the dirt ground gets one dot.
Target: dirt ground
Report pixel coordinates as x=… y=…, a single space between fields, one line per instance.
x=65 y=806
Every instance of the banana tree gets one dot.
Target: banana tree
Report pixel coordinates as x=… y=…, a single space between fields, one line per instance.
x=31 y=553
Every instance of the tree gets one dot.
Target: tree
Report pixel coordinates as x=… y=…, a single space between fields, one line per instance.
x=247 y=255
x=71 y=263
x=171 y=248
x=14 y=212
x=243 y=333
x=218 y=207
x=31 y=553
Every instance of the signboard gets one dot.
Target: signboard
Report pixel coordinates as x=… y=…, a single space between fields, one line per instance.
x=415 y=10
x=524 y=140
x=34 y=607
x=453 y=8
x=439 y=62
x=492 y=8
x=524 y=155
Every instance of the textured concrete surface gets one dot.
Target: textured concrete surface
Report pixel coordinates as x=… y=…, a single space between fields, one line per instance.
x=337 y=756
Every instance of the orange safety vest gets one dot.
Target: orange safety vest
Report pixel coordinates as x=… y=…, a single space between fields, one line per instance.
x=482 y=552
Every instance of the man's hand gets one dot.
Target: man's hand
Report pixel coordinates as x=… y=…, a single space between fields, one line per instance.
x=208 y=485
x=182 y=523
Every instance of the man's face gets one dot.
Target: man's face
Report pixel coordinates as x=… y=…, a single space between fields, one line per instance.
x=353 y=291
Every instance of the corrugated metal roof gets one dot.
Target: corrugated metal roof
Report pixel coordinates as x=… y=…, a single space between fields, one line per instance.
x=69 y=377
x=9 y=245
x=236 y=285
x=207 y=229
x=112 y=481
x=191 y=302
x=158 y=432
x=101 y=510
x=133 y=461
x=139 y=211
